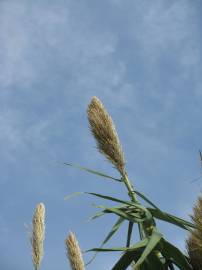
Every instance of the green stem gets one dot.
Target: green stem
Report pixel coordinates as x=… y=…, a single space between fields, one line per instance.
x=130 y=188
x=131 y=193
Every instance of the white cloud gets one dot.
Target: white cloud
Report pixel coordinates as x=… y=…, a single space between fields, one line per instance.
x=36 y=38
x=32 y=36
x=166 y=26
x=13 y=46
x=44 y=44
x=170 y=31
x=17 y=134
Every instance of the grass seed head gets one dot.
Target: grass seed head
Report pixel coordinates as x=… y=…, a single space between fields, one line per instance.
x=74 y=253
x=103 y=129
x=194 y=242
x=38 y=235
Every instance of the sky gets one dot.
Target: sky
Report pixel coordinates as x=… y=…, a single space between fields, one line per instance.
x=142 y=59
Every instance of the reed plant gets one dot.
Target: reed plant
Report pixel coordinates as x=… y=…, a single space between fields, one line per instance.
x=152 y=251
x=194 y=242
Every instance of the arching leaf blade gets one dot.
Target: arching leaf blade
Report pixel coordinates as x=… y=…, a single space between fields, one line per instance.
x=171 y=252
x=153 y=241
x=135 y=247
x=145 y=199
x=124 y=215
x=73 y=195
x=113 y=199
x=171 y=219
x=113 y=230
x=128 y=257
x=92 y=171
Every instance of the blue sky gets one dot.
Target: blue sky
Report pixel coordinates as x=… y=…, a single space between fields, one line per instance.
x=143 y=60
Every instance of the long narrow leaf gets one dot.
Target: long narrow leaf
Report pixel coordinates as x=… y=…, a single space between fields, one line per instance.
x=165 y=216
x=124 y=215
x=111 y=198
x=113 y=230
x=132 y=204
x=101 y=213
x=96 y=215
x=185 y=222
x=171 y=252
x=124 y=212
x=153 y=241
x=105 y=197
x=145 y=199
x=153 y=262
x=171 y=219
x=130 y=230
x=93 y=171
x=73 y=195
x=110 y=234
x=127 y=214
x=127 y=258
x=135 y=247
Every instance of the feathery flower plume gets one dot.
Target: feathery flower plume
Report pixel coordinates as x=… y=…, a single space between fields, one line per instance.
x=74 y=253
x=103 y=129
x=38 y=235
x=194 y=242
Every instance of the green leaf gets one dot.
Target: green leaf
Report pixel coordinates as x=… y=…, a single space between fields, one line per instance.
x=111 y=233
x=139 y=244
x=107 y=198
x=111 y=198
x=153 y=241
x=108 y=249
x=153 y=262
x=101 y=213
x=124 y=212
x=127 y=258
x=145 y=199
x=124 y=215
x=73 y=195
x=113 y=230
x=93 y=172
x=185 y=222
x=96 y=215
x=130 y=230
x=135 y=247
x=171 y=219
x=134 y=206
x=171 y=252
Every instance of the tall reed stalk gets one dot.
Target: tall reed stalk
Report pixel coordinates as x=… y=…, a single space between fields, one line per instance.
x=153 y=251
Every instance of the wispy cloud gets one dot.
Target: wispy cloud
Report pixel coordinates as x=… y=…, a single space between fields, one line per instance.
x=141 y=58
x=34 y=36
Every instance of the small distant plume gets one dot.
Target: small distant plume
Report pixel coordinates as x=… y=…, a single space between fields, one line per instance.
x=74 y=253
x=194 y=242
x=103 y=129
x=38 y=235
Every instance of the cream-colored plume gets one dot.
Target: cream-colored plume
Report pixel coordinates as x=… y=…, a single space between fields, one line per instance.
x=103 y=129
x=194 y=242
x=74 y=253
x=38 y=235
